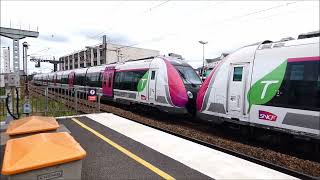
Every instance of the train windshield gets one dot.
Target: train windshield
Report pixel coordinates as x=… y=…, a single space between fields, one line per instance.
x=189 y=76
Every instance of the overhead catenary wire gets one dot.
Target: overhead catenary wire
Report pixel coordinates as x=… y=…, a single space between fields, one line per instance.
x=112 y=26
x=152 y=8
x=147 y=11
x=221 y=22
x=43 y=50
x=228 y=20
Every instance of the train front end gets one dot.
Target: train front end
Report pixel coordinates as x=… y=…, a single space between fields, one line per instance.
x=190 y=83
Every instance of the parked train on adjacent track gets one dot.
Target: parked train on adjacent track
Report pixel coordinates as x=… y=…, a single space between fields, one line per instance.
x=272 y=85
x=167 y=83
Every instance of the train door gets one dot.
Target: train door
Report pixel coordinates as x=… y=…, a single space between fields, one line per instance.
x=46 y=82
x=71 y=78
x=236 y=89
x=152 y=85
x=55 y=79
x=107 y=82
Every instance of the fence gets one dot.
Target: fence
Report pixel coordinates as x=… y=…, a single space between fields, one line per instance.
x=53 y=101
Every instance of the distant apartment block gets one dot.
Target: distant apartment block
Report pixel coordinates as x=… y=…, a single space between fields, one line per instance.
x=98 y=55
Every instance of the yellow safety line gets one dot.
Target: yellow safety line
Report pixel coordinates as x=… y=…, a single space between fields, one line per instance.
x=125 y=151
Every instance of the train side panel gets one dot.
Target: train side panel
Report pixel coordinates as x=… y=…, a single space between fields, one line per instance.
x=285 y=89
x=274 y=87
x=223 y=95
x=127 y=78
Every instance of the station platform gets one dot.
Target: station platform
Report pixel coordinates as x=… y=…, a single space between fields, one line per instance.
x=118 y=148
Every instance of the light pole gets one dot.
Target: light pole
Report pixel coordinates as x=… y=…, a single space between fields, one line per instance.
x=203 y=43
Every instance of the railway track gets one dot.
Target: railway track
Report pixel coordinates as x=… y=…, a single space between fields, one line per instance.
x=201 y=133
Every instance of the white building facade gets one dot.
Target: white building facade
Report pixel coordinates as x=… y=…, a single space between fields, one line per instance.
x=97 y=55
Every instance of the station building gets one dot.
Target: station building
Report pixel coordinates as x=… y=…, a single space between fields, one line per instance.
x=103 y=54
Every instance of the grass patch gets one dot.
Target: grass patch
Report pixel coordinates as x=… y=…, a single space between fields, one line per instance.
x=2 y=91
x=38 y=104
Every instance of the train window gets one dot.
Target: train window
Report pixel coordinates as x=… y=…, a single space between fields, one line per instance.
x=297 y=72
x=92 y=79
x=237 y=73
x=137 y=75
x=128 y=80
x=58 y=78
x=99 y=82
x=64 y=79
x=153 y=75
x=96 y=81
x=79 y=79
x=188 y=75
x=300 y=88
x=117 y=80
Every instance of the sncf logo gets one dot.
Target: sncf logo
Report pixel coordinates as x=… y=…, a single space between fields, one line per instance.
x=264 y=115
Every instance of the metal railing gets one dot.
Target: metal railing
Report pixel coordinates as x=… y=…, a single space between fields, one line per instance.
x=53 y=101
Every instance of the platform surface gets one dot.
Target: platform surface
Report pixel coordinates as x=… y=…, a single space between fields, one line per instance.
x=118 y=148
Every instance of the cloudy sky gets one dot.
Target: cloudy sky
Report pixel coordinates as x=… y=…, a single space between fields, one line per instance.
x=167 y=26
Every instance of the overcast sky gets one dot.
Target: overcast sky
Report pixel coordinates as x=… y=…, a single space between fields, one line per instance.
x=167 y=26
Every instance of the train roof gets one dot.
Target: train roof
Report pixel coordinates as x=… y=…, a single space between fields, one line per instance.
x=138 y=62
x=96 y=68
x=172 y=59
x=297 y=42
x=80 y=71
x=176 y=61
x=248 y=52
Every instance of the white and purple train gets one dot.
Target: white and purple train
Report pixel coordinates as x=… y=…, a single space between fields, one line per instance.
x=167 y=83
x=271 y=85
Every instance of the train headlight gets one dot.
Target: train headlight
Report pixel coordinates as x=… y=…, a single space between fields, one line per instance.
x=190 y=95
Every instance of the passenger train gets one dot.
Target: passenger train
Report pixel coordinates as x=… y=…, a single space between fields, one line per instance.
x=167 y=83
x=269 y=85
x=272 y=85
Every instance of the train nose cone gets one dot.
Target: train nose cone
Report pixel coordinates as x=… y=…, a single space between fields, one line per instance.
x=177 y=90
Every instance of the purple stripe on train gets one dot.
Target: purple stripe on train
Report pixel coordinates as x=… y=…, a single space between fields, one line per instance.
x=314 y=58
x=177 y=90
